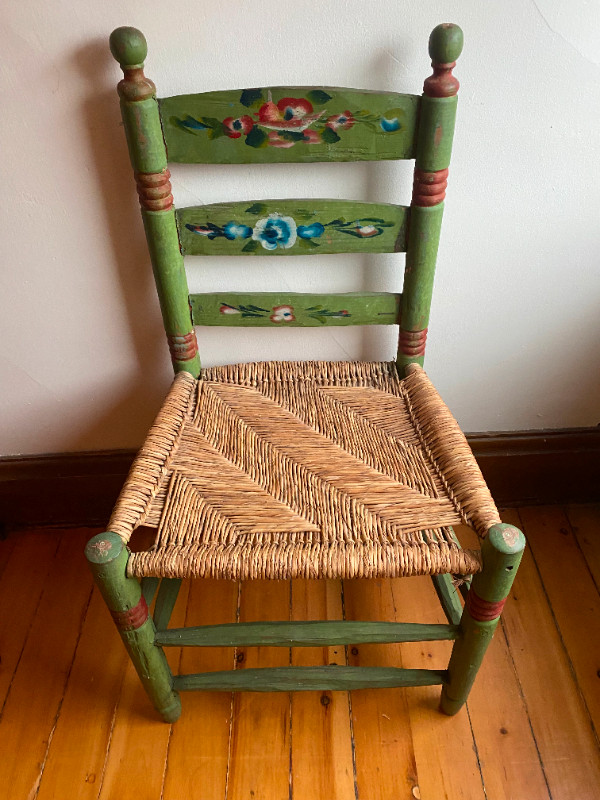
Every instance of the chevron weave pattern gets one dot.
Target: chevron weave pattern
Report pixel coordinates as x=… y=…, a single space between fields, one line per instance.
x=304 y=469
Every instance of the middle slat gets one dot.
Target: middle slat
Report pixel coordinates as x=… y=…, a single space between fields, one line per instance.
x=294 y=309
x=292 y=227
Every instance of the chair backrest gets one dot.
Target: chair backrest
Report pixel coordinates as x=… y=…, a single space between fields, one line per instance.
x=290 y=125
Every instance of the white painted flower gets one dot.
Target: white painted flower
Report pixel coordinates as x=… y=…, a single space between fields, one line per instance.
x=275 y=231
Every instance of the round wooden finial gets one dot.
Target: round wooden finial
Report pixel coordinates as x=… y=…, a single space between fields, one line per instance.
x=445 y=46
x=129 y=48
x=445 y=43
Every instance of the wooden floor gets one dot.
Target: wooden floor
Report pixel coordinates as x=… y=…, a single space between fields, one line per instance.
x=75 y=724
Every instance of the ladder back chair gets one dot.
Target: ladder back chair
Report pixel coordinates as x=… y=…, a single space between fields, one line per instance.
x=313 y=469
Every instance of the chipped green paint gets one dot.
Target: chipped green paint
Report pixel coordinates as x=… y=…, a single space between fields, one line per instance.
x=294 y=310
x=287 y=124
x=292 y=227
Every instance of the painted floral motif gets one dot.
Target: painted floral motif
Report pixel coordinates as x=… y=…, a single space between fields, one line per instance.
x=279 y=314
x=278 y=231
x=275 y=231
x=289 y=121
x=282 y=314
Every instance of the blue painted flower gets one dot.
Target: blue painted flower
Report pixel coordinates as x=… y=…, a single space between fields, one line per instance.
x=233 y=230
x=275 y=231
x=311 y=231
x=390 y=125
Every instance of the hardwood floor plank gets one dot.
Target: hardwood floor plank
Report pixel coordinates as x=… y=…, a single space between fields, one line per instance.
x=559 y=718
x=572 y=594
x=260 y=752
x=322 y=764
x=585 y=522
x=137 y=755
x=26 y=574
x=7 y=545
x=388 y=770
x=499 y=717
x=78 y=750
x=445 y=750
x=34 y=699
x=206 y=716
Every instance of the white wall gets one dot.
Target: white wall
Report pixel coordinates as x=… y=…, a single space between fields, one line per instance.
x=514 y=339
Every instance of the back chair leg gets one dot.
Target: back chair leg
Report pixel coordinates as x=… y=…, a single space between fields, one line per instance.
x=107 y=557
x=501 y=551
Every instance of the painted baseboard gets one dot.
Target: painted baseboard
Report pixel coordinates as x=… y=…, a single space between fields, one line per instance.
x=520 y=467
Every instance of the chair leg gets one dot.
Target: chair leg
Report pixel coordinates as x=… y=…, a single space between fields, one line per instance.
x=107 y=557
x=501 y=551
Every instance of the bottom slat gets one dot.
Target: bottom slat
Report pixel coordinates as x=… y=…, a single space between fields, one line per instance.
x=297 y=679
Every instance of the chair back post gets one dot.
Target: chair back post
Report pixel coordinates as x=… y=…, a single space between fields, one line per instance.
x=434 y=146
x=139 y=109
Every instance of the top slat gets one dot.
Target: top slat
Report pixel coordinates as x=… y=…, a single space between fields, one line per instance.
x=289 y=124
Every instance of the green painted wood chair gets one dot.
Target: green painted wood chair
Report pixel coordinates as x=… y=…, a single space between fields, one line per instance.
x=299 y=469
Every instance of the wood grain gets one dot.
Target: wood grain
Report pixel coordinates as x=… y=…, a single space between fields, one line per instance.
x=82 y=736
x=499 y=717
x=526 y=715
x=390 y=768
x=139 y=738
x=260 y=740
x=206 y=717
x=559 y=719
x=445 y=754
x=36 y=692
x=321 y=765
x=577 y=611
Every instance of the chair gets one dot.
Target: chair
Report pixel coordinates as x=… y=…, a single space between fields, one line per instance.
x=299 y=469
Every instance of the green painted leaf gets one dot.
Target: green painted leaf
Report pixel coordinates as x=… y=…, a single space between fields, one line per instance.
x=256 y=208
x=329 y=135
x=292 y=136
x=257 y=137
x=306 y=244
x=251 y=96
x=318 y=97
x=250 y=246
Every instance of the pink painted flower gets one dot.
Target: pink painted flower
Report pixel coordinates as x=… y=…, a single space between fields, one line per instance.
x=343 y=121
x=275 y=140
x=225 y=309
x=312 y=137
x=283 y=314
x=238 y=125
x=289 y=114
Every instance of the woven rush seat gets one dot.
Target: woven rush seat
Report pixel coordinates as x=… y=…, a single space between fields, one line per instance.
x=304 y=469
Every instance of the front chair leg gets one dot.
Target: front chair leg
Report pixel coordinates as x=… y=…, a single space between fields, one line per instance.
x=107 y=557
x=501 y=551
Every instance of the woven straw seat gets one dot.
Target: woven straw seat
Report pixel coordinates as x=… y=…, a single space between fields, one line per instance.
x=304 y=469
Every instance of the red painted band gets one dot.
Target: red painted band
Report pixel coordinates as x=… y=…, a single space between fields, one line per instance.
x=412 y=343
x=183 y=348
x=154 y=190
x=133 y=619
x=429 y=188
x=442 y=83
x=482 y=610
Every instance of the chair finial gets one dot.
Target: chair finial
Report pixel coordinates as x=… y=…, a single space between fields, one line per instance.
x=445 y=46
x=129 y=48
x=445 y=43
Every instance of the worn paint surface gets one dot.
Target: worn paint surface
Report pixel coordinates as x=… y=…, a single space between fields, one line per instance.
x=289 y=309
x=292 y=227
x=289 y=124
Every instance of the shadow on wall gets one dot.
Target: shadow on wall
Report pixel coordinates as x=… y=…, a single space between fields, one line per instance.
x=108 y=156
